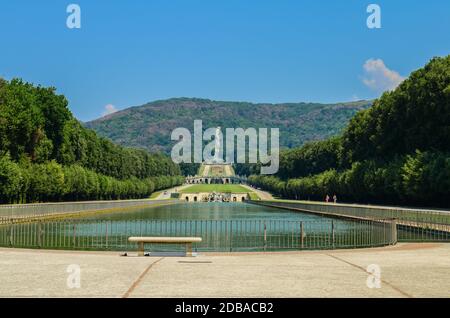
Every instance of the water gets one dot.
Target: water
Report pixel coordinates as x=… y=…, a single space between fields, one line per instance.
x=222 y=227
x=208 y=211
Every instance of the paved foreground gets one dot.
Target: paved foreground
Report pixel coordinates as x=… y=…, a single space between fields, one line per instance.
x=407 y=270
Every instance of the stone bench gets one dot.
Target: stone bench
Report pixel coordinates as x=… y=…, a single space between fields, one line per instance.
x=165 y=240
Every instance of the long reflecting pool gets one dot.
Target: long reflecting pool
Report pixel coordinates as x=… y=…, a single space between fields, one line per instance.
x=222 y=226
x=208 y=211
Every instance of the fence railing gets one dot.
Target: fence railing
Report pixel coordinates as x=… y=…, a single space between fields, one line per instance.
x=412 y=225
x=17 y=212
x=364 y=211
x=217 y=235
x=410 y=231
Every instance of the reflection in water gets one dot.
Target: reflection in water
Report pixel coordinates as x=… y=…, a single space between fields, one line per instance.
x=222 y=227
x=209 y=211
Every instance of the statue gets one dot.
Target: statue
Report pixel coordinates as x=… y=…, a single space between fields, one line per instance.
x=218 y=147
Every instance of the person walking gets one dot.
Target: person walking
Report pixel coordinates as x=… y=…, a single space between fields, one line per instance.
x=335 y=198
x=327 y=198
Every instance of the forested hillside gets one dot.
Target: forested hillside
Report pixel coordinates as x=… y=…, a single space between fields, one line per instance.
x=47 y=155
x=396 y=152
x=149 y=126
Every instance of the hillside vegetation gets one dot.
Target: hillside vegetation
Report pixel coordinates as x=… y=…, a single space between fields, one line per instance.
x=149 y=126
x=47 y=155
x=396 y=152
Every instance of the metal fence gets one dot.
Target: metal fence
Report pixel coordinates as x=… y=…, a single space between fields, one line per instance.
x=363 y=211
x=409 y=231
x=18 y=212
x=217 y=235
x=412 y=225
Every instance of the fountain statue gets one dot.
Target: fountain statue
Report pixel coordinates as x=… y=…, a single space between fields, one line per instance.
x=218 y=147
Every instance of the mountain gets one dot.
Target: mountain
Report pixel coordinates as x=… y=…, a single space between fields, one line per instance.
x=149 y=126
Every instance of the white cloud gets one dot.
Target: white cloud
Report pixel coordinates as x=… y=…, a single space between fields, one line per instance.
x=380 y=78
x=109 y=109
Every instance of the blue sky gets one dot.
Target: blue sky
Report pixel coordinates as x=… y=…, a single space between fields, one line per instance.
x=130 y=52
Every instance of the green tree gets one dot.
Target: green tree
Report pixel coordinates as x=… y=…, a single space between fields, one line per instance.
x=10 y=180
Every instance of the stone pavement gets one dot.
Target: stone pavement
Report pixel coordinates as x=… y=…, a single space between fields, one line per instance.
x=407 y=270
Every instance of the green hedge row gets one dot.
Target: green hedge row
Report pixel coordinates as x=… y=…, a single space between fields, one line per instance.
x=26 y=183
x=419 y=179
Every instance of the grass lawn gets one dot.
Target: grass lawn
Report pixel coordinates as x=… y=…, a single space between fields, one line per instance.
x=234 y=188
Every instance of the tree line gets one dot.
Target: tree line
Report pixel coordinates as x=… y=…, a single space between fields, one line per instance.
x=396 y=152
x=47 y=155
